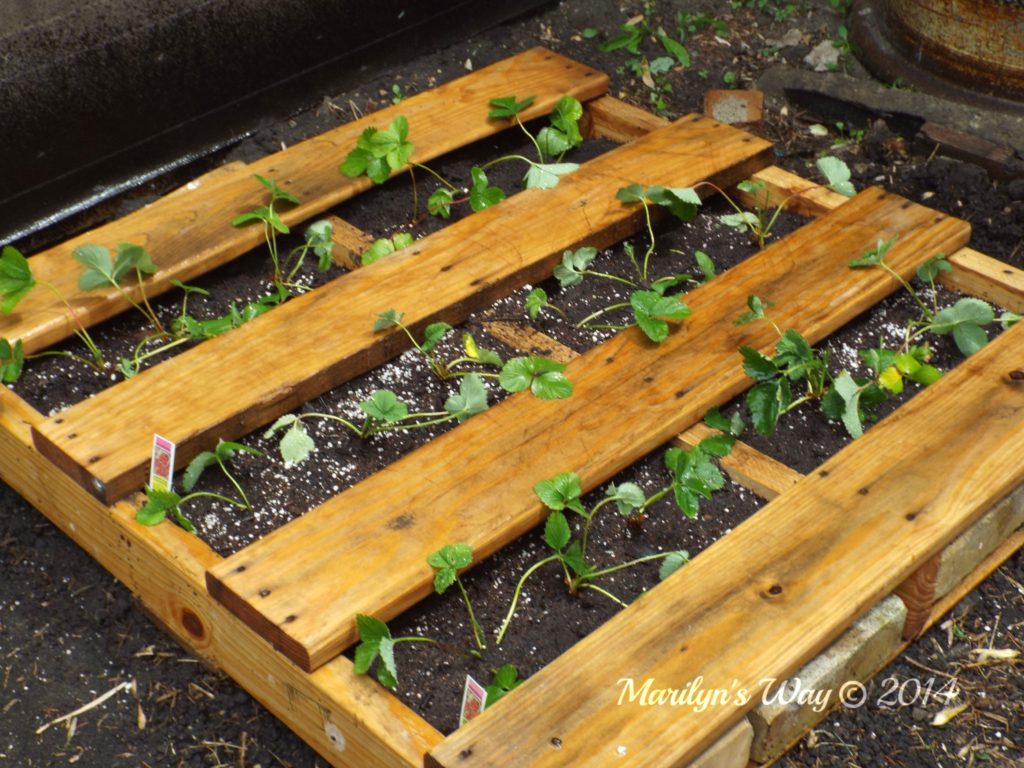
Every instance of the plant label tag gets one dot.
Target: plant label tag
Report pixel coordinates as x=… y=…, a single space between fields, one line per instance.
x=474 y=700
x=161 y=465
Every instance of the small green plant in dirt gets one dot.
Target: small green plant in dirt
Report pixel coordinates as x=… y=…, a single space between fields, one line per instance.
x=844 y=397
x=161 y=504
x=447 y=562
x=650 y=303
x=103 y=272
x=693 y=476
x=16 y=281
x=543 y=377
x=689 y=24
x=653 y=67
x=385 y=246
x=382 y=412
x=504 y=679
x=776 y=11
x=317 y=236
x=761 y=220
x=377 y=645
x=381 y=152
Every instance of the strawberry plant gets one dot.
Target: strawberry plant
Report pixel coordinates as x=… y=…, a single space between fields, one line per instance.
x=16 y=280
x=160 y=504
x=384 y=246
x=504 y=679
x=102 y=272
x=382 y=412
x=447 y=562
x=317 y=236
x=377 y=645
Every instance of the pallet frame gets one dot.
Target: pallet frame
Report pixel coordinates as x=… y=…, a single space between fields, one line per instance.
x=350 y=720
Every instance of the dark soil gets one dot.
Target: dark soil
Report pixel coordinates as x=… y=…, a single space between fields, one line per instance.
x=68 y=632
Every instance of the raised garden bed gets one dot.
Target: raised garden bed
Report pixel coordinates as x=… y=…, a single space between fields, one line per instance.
x=759 y=603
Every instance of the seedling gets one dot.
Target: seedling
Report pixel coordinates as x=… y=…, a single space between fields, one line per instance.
x=693 y=476
x=102 y=272
x=385 y=246
x=762 y=219
x=161 y=504
x=505 y=679
x=681 y=202
x=317 y=235
x=16 y=280
x=543 y=377
x=377 y=644
x=382 y=412
x=447 y=562
x=651 y=309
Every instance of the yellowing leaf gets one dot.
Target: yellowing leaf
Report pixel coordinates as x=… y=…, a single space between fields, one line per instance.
x=947 y=714
x=994 y=654
x=891 y=380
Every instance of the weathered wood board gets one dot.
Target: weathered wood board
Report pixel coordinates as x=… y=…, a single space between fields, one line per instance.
x=301 y=587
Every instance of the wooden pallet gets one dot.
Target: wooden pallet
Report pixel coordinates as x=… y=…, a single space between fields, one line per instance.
x=757 y=604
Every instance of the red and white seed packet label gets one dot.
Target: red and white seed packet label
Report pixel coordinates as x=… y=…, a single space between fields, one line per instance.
x=474 y=700
x=161 y=465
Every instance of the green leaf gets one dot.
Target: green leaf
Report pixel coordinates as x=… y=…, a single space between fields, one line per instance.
x=544 y=176
x=848 y=389
x=574 y=558
x=757 y=366
x=542 y=376
x=741 y=221
x=873 y=257
x=705 y=264
x=355 y=162
x=837 y=174
x=964 y=320
x=276 y=193
x=386 y=319
x=672 y=563
x=714 y=419
x=565 y=117
x=375 y=641
x=157 y=506
x=569 y=272
x=507 y=107
x=682 y=202
x=471 y=399
x=480 y=354
x=969 y=338
x=385 y=406
x=756 y=307
x=319 y=237
x=677 y=49
x=633 y=193
x=440 y=202
x=98 y=266
x=879 y=359
x=630 y=40
x=651 y=310
x=717 y=445
x=481 y=194
x=15 y=278
x=129 y=257
x=447 y=561
x=628 y=497
x=433 y=334
x=506 y=678
x=931 y=269
x=536 y=300
x=794 y=351
x=12 y=359
x=296 y=445
x=552 y=142
x=560 y=492
x=556 y=531
x=763 y=402
x=195 y=469
x=1009 y=319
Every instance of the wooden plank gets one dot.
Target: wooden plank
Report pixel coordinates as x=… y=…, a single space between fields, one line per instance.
x=917 y=592
x=343 y=716
x=987 y=278
x=796 y=194
x=221 y=389
x=190 y=233
x=349 y=242
x=777 y=590
x=747 y=466
x=299 y=586
x=616 y=120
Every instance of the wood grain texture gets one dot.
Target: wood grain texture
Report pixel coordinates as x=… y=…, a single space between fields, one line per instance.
x=299 y=586
x=189 y=232
x=979 y=275
x=747 y=466
x=165 y=568
x=777 y=590
x=349 y=242
x=917 y=592
x=613 y=119
x=796 y=194
x=235 y=383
